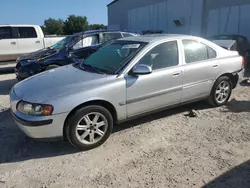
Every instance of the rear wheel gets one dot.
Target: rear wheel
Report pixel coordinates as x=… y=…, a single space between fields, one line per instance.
x=90 y=127
x=221 y=91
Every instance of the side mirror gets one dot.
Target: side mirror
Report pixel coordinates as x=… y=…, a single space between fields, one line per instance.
x=142 y=69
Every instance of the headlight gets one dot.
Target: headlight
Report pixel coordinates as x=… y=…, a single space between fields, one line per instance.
x=34 y=109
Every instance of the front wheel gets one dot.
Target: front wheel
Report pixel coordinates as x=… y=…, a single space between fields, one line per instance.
x=221 y=91
x=90 y=127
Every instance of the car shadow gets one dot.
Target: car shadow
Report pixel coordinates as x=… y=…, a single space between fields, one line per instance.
x=7 y=69
x=159 y=115
x=15 y=146
x=6 y=85
x=238 y=106
x=238 y=177
x=245 y=82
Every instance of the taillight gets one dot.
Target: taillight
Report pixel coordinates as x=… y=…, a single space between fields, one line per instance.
x=243 y=62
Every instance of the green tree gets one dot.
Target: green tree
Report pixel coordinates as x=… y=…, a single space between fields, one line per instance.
x=54 y=26
x=97 y=26
x=75 y=24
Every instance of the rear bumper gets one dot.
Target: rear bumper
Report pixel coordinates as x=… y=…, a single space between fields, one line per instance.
x=241 y=75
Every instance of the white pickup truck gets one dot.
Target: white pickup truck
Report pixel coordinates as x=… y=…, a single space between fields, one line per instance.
x=16 y=40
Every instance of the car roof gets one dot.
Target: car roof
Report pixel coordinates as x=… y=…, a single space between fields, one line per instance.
x=155 y=37
x=20 y=25
x=100 y=31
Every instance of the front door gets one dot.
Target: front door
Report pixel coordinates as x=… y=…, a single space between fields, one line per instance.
x=200 y=70
x=162 y=87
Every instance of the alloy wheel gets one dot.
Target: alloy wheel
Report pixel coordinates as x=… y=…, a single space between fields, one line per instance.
x=91 y=128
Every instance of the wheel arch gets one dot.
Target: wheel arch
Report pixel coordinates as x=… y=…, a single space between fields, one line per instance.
x=110 y=107
x=233 y=78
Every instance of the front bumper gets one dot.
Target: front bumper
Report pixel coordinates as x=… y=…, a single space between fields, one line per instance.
x=38 y=127
x=26 y=71
x=41 y=127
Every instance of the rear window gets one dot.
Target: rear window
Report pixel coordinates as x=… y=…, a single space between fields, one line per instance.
x=222 y=37
x=127 y=35
x=111 y=36
x=5 y=33
x=27 y=32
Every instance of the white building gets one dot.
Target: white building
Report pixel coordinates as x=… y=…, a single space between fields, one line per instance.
x=197 y=17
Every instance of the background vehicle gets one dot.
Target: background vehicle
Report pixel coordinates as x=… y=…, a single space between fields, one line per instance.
x=16 y=40
x=242 y=45
x=79 y=45
x=123 y=80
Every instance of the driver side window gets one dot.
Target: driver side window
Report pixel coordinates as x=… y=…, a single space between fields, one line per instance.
x=162 y=56
x=85 y=42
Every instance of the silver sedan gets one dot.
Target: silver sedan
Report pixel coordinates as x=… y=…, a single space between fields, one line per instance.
x=126 y=79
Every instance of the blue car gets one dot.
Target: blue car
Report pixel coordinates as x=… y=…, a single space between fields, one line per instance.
x=76 y=46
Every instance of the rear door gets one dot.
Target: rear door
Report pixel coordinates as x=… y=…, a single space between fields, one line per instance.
x=28 y=40
x=201 y=68
x=8 y=44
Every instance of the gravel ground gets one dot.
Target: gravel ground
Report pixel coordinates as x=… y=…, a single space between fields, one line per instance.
x=166 y=149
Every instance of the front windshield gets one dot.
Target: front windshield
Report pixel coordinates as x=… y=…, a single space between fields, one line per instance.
x=62 y=43
x=113 y=56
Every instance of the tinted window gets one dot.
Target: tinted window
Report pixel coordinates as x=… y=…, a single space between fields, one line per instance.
x=162 y=56
x=110 y=36
x=87 y=41
x=194 y=51
x=5 y=33
x=127 y=35
x=114 y=56
x=27 y=32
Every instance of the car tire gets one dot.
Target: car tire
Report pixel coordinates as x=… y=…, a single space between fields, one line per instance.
x=221 y=91
x=85 y=132
x=52 y=67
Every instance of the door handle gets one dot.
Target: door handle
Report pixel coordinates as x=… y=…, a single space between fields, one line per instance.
x=37 y=41
x=176 y=74
x=13 y=43
x=215 y=66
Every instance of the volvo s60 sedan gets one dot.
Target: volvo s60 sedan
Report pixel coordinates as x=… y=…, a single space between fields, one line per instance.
x=131 y=77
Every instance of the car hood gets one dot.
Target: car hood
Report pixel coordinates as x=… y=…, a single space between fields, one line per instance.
x=57 y=82
x=38 y=54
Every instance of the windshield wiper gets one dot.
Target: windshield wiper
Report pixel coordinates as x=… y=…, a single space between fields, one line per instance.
x=92 y=68
x=107 y=71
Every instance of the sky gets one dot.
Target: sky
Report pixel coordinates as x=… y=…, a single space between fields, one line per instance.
x=36 y=11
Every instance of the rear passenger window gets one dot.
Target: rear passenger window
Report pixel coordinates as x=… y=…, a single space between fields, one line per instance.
x=27 y=32
x=194 y=51
x=5 y=33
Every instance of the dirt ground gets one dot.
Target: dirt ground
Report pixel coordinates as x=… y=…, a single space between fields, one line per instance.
x=166 y=149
